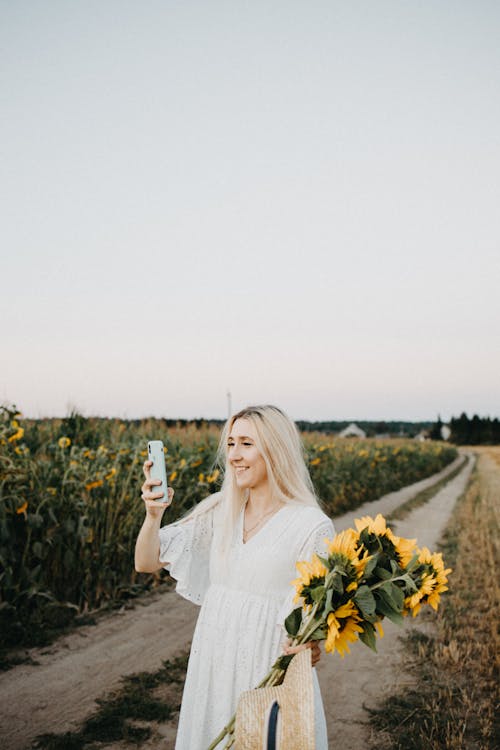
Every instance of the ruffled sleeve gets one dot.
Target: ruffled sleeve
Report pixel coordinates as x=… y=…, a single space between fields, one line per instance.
x=313 y=544
x=185 y=553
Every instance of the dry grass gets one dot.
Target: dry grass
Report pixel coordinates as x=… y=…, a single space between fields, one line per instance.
x=455 y=702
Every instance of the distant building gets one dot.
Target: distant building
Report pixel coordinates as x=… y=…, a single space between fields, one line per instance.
x=445 y=432
x=353 y=431
x=422 y=435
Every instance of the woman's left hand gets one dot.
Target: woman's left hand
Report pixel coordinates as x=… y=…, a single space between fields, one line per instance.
x=313 y=645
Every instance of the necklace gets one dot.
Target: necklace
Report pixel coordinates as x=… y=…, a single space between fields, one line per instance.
x=247 y=531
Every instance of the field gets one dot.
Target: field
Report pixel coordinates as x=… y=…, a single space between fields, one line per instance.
x=70 y=505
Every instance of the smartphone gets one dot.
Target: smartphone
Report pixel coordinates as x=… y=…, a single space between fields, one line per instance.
x=158 y=469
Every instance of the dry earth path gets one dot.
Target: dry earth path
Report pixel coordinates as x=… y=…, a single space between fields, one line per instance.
x=57 y=693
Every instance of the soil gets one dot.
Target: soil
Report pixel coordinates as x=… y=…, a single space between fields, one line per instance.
x=59 y=691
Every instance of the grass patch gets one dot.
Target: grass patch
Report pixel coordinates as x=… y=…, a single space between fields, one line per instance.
x=454 y=704
x=423 y=497
x=136 y=700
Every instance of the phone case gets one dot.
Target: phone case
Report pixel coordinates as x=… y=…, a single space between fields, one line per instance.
x=158 y=469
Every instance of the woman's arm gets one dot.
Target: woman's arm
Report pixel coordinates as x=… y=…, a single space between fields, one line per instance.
x=147 y=546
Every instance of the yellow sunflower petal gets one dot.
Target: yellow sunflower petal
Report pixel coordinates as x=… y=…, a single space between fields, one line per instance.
x=375 y=526
x=346 y=610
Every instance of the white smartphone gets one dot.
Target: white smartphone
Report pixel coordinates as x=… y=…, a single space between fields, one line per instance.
x=158 y=469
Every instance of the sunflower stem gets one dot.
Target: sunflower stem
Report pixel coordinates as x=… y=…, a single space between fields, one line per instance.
x=386 y=580
x=228 y=730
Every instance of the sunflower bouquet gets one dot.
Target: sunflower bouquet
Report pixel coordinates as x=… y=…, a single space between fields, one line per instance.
x=367 y=574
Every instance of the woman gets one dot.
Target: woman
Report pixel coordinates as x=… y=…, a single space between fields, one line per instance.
x=235 y=555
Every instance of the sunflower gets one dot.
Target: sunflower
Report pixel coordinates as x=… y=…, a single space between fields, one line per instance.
x=433 y=582
x=345 y=548
x=312 y=573
x=412 y=603
x=344 y=543
x=93 y=485
x=439 y=575
x=405 y=548
x=17 y=435
x=343 y=628
x=64 y=442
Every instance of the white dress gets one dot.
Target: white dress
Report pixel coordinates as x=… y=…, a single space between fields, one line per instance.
x=239 y=632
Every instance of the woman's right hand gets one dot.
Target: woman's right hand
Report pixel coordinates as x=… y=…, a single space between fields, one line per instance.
x=155 y=506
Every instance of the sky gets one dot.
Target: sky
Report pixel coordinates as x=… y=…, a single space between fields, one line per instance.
x=293 y=201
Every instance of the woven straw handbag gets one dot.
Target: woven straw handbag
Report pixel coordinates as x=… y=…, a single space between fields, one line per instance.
x=279 y=718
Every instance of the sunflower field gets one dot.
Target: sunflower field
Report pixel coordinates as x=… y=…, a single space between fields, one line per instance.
x=70 y=506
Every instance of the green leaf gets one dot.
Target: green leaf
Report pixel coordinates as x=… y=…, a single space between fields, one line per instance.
x=318 y=593
x=393 y=595
x=365 y=600
x=411 y=586
x=370 y=566
x=293 y=621
x=368 y=636
x=384 y=608
x=319 y=634
x=395 y=567
x=384 y=592
x=382 y=573
x=337 y=584
x=387 y=600
x=398 y=596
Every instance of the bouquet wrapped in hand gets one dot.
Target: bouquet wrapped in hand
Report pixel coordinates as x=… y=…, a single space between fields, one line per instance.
x=367 y=574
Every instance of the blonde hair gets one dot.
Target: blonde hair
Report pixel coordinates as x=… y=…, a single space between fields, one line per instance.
x=278 y=441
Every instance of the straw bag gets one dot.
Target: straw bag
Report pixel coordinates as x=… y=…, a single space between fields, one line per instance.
x=279 y=718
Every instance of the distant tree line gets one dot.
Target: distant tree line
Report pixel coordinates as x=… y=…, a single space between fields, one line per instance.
x=464 y=431
x=475 y=431
x=394 y=429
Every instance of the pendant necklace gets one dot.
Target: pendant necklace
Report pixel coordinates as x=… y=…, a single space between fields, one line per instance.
x=264 y=515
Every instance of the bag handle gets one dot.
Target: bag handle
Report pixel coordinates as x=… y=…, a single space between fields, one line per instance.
x=272 y=726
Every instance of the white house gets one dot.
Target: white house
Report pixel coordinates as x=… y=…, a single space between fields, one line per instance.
x=353 y=431
x=422 y=436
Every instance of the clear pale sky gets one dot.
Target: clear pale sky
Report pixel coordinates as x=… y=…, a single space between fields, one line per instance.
x=298 y=201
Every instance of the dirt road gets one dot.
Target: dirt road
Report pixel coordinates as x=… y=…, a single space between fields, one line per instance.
x=60 y=691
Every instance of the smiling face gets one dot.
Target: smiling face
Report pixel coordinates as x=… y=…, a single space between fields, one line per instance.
x=244 y=457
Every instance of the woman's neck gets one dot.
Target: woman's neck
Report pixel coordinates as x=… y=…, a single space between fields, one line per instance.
x=260 y=500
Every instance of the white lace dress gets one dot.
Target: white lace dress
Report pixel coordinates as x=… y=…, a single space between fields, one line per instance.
x=239 y=632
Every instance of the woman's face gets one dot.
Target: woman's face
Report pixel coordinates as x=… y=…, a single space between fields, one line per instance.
x=242 y=454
